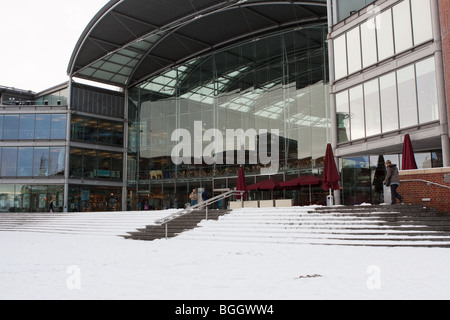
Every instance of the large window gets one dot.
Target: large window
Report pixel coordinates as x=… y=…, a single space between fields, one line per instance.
x=401 y=99
x=31 y=198
x=33 y=127
x=95 y=164
x=97 y=131
x=393 y=31
x=32 y=161
x=276 y=83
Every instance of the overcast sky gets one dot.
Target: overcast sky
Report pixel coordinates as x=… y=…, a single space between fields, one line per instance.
x=37 y=40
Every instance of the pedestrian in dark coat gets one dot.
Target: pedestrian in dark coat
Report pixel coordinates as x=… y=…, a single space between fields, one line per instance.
x=393 y=181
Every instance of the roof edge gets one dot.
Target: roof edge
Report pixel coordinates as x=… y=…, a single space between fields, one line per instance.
x=103 y=11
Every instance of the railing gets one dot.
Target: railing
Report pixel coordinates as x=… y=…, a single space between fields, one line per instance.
x=165 y=221
x=429 y=183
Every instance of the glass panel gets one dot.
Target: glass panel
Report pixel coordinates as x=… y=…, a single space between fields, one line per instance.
x=402 y=26
x=27 y=126
x=357 y=113
x=1 y=127
x=104 y=132
x=40 y=162
x=354 y=50
x=388 y=99
x=7 y=192
x=25 y=162
x=77 y=127
x=9 y=162
x=90 y=132
x=76 y=163
x=421 y=19
x=406 y=97
x=57 y=161
x=343 y=114
x=11 y=127
x=369 y=43
x=385 y=38
x=42 y=131
x=58 y=127
x=340 y=57
x=427 y=91
x=372 y=107
x=90 y=163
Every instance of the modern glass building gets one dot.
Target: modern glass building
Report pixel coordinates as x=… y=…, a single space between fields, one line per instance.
x=206 y=86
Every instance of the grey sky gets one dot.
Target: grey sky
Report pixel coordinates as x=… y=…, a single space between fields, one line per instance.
x=38 y=38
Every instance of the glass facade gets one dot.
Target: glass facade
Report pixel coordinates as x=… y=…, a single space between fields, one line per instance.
x=388 y=103
x=32 y=161
x=33 y=127
x=363 y=176
x=391 y=32
x=274 y=83
x=31 y=198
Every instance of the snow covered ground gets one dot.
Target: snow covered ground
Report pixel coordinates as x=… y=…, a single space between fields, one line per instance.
x=55 y=266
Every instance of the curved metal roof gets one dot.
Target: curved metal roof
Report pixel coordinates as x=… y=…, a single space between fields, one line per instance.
x=129 y=41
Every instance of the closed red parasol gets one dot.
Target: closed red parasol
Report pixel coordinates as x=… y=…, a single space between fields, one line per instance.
x=408 y=159
x=331 y=178
x=241 y=185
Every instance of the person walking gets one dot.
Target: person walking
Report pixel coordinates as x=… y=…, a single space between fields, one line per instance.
x=393 y=181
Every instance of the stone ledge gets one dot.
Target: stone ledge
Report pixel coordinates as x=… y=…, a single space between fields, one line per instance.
x=424 y=171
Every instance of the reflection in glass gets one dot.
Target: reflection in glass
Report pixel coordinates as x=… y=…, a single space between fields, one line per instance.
x=25 y=162
x=340 y=57
x=58 y=127
x=26 y=131
x=276 y=82
x=369 y=43
x=402 y=26
x=9 y=162
x=388 y=99
x=57 y=161
x=422 y=20
x=427 y=91
x=40 y=162
x=407 y=103
x=343 y=114
x=357 y=113
x=42 y=127
x=11 y=127
x=385 y=38
x=354 y=50
x=372 y=108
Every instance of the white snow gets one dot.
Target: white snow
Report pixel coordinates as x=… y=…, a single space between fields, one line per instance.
x=67 y=266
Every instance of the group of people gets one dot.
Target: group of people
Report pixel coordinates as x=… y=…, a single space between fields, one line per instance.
x=195 y=196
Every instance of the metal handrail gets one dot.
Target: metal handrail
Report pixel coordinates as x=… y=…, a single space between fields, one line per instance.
x=206 y=203
x=427 y=182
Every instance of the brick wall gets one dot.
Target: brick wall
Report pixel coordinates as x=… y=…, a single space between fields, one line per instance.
x=444 y=8
x=417 y=192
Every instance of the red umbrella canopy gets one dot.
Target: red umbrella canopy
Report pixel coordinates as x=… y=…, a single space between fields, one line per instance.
x=301 y=181
x=270 y=184
x=408 y=159
x=330 y=178
x=241 y=185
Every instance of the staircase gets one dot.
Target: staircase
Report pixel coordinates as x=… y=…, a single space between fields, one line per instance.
x=387 y=226
x=108 y=224
x=175 y=227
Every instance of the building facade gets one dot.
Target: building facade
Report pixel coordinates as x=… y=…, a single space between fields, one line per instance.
x=207 y=86
x=388 y=80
